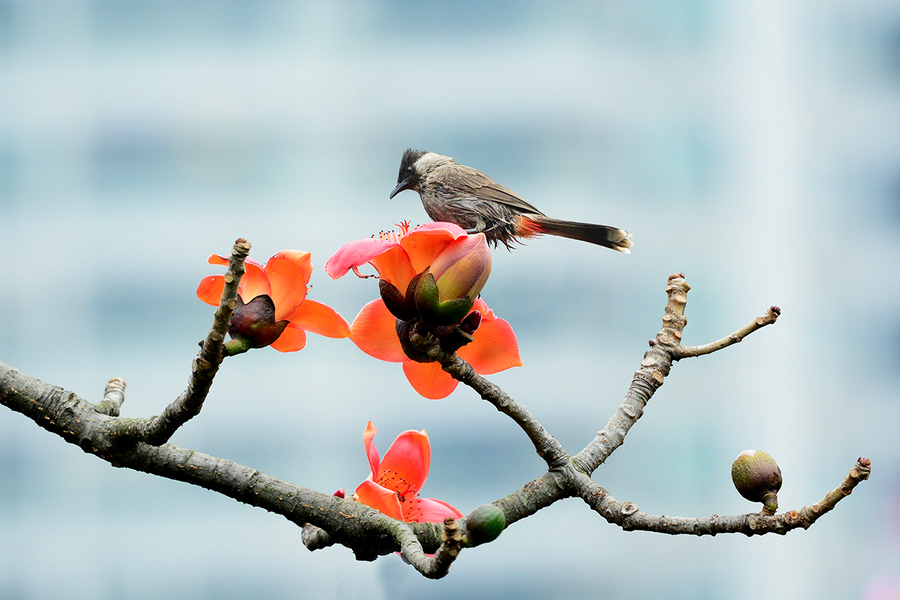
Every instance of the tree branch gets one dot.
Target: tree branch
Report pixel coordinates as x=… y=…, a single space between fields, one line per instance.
x=139 y=444
x=159 y=430
x=654 y=368
x=759 y=322
x=546 y=445
x=627 y=516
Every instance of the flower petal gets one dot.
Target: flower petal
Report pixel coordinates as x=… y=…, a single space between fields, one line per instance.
x=430 y=510
x=404 y=467
x=429 y=379
x=210 y=289
x=374 y=331
x=215 y=259
x=495 y=347
x=288 y=273
x=293 y=338
x=454 y=229
x=425 y=243
x=355 y=254
x=381 y=499
x=371 y=450
x=394 y=266
x=319 y=318
x=254 y=282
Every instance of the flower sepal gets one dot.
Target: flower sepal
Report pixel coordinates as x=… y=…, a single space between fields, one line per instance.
x=401 y=306
x=416 y=337
x=253 y=325
x=434 y=311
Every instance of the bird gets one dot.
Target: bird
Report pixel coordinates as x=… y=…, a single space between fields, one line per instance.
x=455 y=193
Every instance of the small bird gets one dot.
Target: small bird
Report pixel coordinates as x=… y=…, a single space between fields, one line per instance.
x=455 y=193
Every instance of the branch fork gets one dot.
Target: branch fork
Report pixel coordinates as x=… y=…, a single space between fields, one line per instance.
x=141 y=444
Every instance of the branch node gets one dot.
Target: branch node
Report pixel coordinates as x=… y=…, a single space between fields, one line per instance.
x=113 y=397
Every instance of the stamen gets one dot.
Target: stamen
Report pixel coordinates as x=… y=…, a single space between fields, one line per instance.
x=361 y=276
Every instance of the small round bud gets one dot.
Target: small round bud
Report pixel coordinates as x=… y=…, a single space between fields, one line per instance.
x=757 y=478
x=484 y=524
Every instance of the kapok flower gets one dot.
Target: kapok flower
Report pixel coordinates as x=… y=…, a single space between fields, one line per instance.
x=284 y=281
x=494 y=348
x=399 y=258
x=394 y=482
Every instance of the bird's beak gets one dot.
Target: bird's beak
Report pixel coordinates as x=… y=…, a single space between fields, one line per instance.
x=403 y=185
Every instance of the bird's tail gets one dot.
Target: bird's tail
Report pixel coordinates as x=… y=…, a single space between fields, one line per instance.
x=602 y=235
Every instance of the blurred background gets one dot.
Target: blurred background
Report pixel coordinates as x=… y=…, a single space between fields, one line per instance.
x=755 y=146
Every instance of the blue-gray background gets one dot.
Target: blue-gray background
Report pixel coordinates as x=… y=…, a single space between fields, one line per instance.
x=754 y=146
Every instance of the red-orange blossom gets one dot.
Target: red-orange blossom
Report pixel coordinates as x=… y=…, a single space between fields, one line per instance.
x=398 y=258
x=394 y=482
x=284 y=279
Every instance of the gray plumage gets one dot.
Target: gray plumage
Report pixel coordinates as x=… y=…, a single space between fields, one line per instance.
x=455 y=193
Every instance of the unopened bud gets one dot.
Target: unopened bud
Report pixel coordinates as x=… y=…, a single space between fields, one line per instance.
x=462 y=268
x=484 y=524
x=757 y=478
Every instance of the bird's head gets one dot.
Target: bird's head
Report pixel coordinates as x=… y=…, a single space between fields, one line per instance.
x=414 y=167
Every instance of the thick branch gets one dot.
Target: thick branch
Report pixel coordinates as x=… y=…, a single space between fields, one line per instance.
x=365 y=530
x=655 y=366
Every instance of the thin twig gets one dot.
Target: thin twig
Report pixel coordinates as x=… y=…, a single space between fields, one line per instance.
x=758 y=323
x=627 y=516
x=113 y=397
x=438 y=565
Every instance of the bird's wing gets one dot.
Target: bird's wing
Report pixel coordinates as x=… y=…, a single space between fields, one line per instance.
x=486 y=188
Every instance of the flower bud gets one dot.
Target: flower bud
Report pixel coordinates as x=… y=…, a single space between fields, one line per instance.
x=253 y=325
x=462 y=269
x=484 y=524
x=757 y=478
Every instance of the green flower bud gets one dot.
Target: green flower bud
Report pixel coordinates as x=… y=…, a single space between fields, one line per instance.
x=484 y=524
x=757 y=478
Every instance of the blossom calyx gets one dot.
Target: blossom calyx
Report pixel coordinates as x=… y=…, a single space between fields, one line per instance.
x=253 y=325
x=757 y=478
x=400 y=305
x=434 y=310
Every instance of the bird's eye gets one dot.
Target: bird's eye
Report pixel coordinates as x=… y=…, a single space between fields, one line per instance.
x=409 y=169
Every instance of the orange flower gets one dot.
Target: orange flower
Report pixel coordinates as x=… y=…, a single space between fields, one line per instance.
x=284 y=280
x=398 y=258
x=494 y=348
x=394 y=483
